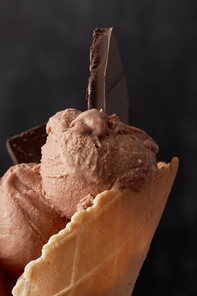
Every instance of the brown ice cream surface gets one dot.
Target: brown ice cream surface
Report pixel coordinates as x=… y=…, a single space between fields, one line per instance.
x=27 y=219
x=84 y=155
x=87 y=153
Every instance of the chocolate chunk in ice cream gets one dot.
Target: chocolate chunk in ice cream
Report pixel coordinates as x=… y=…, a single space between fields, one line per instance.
x=107 y=88
x=26 y=147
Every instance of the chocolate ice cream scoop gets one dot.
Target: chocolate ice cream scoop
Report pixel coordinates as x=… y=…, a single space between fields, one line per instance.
x=87 y=153
x=27 y=219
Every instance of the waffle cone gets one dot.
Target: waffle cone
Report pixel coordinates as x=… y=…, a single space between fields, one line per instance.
x=102 y=249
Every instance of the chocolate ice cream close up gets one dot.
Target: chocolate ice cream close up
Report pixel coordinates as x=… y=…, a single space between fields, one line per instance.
x=84 y=155
x=87 y=153
x=27 y=219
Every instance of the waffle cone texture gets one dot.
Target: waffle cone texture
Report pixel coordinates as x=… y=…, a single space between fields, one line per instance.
x=102 y=249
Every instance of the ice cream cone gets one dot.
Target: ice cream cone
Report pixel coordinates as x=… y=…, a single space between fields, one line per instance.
x=102 y=249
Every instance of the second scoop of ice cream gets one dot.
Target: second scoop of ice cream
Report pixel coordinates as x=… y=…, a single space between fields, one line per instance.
x=27 y=219
x=87 y=153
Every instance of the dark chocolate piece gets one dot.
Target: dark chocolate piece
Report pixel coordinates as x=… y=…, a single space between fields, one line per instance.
x=26 y=147
x=107 y=87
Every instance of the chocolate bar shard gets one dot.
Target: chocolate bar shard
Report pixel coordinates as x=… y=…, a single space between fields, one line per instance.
x=26 y=147
x=107 y=88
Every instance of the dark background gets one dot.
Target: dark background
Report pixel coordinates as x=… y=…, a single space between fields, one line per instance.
x=44 y=67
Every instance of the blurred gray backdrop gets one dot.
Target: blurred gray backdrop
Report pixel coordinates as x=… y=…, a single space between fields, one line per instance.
x=44 y=68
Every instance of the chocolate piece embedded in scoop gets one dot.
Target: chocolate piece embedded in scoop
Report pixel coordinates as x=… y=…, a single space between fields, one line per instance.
x=26 y=147
x=107 y=88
